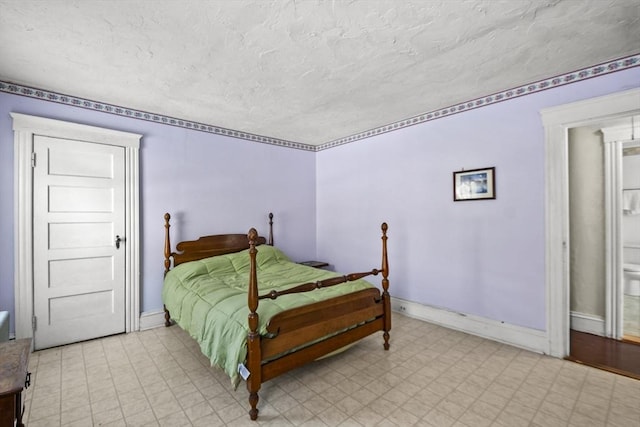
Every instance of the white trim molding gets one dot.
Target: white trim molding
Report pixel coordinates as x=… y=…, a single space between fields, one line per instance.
x=557 y=121
x=613 y=235
x=588 y=323
x=614 y=140
x=517 y=336
x=25 y=127
x=151 y=320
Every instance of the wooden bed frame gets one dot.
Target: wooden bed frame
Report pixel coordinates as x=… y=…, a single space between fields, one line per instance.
x=345 y=319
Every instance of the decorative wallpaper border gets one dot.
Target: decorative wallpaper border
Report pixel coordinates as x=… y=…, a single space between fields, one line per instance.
x=560 y=80
x=30 y=92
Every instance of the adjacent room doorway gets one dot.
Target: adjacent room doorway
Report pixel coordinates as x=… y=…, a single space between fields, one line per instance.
x=557 y=121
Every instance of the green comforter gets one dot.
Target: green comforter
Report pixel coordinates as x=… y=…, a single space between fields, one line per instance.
x=208 y=299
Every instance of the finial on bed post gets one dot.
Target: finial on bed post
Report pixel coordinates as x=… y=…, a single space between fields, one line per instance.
x=270 y=243
x=386 y=298
x=167 y=244
x=254 y=356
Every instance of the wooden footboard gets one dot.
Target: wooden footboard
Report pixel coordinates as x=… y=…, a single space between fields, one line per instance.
x=319 y=329
x=303 y=325
x=283 y=364
x=304 y=334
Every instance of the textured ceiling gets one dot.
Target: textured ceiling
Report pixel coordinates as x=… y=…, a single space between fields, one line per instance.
x=304 y=71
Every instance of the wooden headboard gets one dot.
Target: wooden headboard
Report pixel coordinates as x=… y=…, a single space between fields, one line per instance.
x=207 y=246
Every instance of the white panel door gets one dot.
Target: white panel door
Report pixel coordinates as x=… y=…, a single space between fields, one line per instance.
x=79 y=266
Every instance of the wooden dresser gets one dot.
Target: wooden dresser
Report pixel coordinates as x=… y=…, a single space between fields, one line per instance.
x=14 y=377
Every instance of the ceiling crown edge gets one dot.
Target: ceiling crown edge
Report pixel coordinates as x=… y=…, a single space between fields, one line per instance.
x=30 y=92
x=516 y=92
x=507 y=94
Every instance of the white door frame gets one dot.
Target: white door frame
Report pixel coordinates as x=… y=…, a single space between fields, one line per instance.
x=614 y=141
x=613 y=234
x=557 y=121
x=25 y=127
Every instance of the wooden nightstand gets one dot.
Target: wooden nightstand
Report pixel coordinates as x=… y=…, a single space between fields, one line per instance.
x=315 y=264
x=14 y=377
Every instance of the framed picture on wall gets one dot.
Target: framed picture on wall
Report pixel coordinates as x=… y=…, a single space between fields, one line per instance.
x=474 y=184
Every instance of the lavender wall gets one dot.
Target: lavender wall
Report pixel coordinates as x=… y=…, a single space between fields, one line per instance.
x=484 y=258
x=209 y=183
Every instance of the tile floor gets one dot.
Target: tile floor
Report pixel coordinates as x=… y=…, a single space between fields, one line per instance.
x=431 y=376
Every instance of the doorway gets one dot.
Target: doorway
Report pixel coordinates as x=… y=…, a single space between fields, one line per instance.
x=600 y=237
x=32 y=135
x=587 y=231
x=557 y=120
x=604 y=229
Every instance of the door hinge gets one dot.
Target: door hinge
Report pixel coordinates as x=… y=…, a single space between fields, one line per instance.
x=33 y=159
x=34 y=322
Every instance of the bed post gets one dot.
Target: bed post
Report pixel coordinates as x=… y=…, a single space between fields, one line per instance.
x=254 y=356
x=386 y=298
x=167 y=244
x=167 y=262
x=270 y=242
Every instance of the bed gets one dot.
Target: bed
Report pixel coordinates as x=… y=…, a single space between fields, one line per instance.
x=256 y=314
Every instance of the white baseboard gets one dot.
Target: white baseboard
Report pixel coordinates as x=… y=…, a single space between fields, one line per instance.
x=517 y=336
x=151 y=319
x=588 y=323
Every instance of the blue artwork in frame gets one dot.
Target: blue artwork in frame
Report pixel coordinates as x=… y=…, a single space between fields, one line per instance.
x=474 y=184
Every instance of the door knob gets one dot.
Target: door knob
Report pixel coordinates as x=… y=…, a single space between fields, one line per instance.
x=118 y=240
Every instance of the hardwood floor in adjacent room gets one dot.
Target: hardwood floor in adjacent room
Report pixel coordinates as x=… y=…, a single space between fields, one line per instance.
x=621 y=357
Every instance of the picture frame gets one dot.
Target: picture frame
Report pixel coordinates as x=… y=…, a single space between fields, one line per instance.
x=474 y=184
